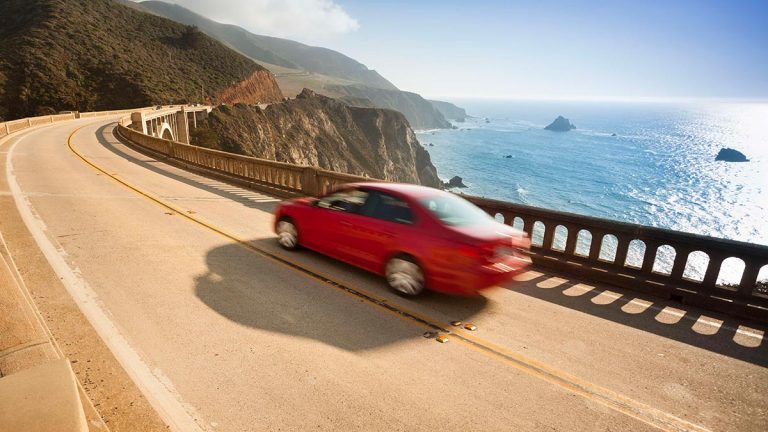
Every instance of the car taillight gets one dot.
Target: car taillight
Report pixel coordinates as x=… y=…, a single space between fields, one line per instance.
x=482 y=254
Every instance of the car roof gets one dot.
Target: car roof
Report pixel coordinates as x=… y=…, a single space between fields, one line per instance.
x=411 y=190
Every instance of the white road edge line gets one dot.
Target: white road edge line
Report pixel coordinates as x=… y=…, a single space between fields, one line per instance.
x=167 y=402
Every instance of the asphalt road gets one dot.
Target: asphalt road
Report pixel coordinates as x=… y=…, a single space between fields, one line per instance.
x=222 y=330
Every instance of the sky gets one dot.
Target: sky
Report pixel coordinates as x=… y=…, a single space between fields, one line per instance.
x=523 y=49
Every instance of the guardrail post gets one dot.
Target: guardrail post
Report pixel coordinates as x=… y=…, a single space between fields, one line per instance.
x=7 y=129
x=29 y=122
x=309 y=184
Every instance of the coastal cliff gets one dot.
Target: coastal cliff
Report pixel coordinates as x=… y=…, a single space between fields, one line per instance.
x=320 y=131
x=449 y=110
x=260 y=87
x=420 y=113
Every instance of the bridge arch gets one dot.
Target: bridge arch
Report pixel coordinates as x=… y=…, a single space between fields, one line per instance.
x=166 y=132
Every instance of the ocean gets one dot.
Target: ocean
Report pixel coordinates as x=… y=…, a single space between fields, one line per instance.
x=639 y=162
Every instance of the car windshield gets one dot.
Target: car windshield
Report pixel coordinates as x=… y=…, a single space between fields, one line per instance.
x=455 y=211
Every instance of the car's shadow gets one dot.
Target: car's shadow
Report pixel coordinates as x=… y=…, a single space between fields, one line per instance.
x=257 y=292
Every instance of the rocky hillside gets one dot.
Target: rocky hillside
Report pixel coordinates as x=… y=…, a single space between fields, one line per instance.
x=298 y=66
x=272 y=50
x=420 y=113
x=320 y=131
x=99 y=54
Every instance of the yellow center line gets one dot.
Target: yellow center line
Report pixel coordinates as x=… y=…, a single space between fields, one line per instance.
x=647 y=414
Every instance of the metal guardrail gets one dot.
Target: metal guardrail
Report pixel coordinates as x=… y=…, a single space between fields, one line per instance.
x=593 y=248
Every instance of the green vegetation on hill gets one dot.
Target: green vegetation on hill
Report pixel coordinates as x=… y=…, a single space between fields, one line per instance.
x=276 y=51
x=99 y=54
x=297 y=66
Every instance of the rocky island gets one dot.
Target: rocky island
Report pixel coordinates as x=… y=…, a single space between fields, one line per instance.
x=561 y=124
x=731 y=155
x=455 y=182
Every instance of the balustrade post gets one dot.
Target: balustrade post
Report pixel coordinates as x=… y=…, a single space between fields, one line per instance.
x=528 y=226
x=596 y=245
x=748 y=278
x=713 y=270
x=570 y=241
x=549 y=234
x=649 y=257
x=681 y=259
x=622 y=247
x=309 y=184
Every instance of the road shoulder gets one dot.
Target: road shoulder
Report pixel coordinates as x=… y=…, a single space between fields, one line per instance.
x=114 y=395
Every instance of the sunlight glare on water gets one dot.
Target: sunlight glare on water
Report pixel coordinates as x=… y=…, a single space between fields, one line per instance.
x=659 y=169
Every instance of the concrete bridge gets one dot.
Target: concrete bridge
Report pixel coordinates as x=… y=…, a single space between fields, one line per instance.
x=169 y=123
x=154 y=268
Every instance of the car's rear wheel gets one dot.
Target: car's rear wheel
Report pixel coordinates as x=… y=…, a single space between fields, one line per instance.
x=405 y=276
x=287 y=234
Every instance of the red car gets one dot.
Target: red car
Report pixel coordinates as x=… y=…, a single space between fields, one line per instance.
x=415 y=236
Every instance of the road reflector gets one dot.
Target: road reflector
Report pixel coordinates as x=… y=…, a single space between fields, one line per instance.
x=430 y=334
x=470 y=327
x=442 y=339
x=455 y=323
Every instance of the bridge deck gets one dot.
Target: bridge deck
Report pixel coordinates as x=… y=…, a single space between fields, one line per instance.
x=180 y=266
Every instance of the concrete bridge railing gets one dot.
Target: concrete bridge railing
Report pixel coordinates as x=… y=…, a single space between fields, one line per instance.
x=282 y=179
x=661 y=262
x=9 y=127
x=665 y=263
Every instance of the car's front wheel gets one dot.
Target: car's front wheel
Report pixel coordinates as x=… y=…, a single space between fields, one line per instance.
x=287 y=234
x=405 y=276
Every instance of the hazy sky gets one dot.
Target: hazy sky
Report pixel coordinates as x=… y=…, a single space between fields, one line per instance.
x=529 y=49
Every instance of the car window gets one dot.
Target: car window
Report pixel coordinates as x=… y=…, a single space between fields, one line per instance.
x=347 y=200
x=387 y=207
x=455 y=211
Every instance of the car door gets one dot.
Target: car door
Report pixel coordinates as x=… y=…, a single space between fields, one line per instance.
x=383 y=225
x=329 y=228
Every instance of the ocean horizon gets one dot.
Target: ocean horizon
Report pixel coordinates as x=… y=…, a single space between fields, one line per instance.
x=649 y=163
